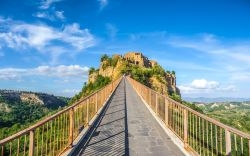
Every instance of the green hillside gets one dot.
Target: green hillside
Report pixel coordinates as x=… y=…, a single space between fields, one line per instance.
x=19 y=109
x=235 y=114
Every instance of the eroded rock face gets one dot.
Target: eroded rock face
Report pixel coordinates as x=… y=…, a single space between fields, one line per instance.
x=31 y=98
x=4 y=107
x=165 y=84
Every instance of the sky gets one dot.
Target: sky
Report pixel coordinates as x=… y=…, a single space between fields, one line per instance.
x=49 y=45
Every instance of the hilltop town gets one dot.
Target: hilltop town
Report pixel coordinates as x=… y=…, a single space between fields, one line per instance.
x=139 y=67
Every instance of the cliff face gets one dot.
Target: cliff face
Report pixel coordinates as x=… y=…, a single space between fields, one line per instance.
x=139 y=67
x=10 y=97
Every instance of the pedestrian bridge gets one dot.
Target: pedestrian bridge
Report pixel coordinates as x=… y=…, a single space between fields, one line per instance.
x=127 y=118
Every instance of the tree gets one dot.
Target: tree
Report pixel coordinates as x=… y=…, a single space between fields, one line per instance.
x=104 y=57
x=173 y=72
x=91 y=70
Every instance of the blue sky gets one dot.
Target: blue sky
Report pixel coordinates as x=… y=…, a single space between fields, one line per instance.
x=49 y=45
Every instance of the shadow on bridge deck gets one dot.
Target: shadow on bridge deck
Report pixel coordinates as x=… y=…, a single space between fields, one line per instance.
x=126 y=127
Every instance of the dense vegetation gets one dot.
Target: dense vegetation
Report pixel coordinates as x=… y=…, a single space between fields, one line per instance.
x=143 y=75
x=108 y=61
x=235 y=114
x=16 y=114
x=89 y=88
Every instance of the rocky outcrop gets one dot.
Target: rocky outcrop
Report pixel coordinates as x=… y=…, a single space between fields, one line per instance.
x=11 y=97
x=113 y=67
x=31 y=98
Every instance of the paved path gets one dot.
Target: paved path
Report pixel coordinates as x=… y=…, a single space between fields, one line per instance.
x=126 y=127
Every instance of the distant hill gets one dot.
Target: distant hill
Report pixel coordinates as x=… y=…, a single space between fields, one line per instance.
x=218 y=99
x=10 y=97
x=235 y=114
x=19 y=109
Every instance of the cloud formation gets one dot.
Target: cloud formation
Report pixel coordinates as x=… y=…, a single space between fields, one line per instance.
x=43 y=38
x=204 y=86
x=60 y=71
x=50 y=15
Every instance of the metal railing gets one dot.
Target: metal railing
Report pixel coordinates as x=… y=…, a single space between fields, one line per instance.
x=200 y=134
x=55 y=134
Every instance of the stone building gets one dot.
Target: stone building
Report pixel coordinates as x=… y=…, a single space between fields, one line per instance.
x=137 y=59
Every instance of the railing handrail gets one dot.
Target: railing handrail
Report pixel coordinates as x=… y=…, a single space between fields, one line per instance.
x=47 y=119
x=214 y=121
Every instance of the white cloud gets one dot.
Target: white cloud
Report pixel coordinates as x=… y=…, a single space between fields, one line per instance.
x=200 y=86
x=186 y=89
x=42 y=15
x=51 y=15
x=103 y=3
x=60 y=71
x=45 y=39
x=204 y=84
x=45 y=4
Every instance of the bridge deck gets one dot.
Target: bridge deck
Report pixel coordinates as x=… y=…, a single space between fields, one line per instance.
x=126 y=127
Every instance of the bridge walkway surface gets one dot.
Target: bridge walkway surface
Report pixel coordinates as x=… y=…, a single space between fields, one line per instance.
x=126 y=127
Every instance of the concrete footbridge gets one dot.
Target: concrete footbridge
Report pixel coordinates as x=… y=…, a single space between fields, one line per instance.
x=127 y=118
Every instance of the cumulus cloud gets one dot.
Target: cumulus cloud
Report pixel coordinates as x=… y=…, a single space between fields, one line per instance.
x=204 y=86
x=60 y=71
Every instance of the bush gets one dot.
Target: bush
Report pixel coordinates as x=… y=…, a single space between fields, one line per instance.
x=91 y=70
x=104 y=57
x=90 y=88
x=158 y=70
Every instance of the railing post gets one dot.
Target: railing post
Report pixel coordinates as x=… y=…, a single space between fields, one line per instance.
x=166 y=111
x=185 y=128
x=71 y=127
x=228 y=142
x=156 y=103
x=112 y=84
x=32 y=143
x=249 y=146
x=87 y=112
x=150 y=98
x=96 y=102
